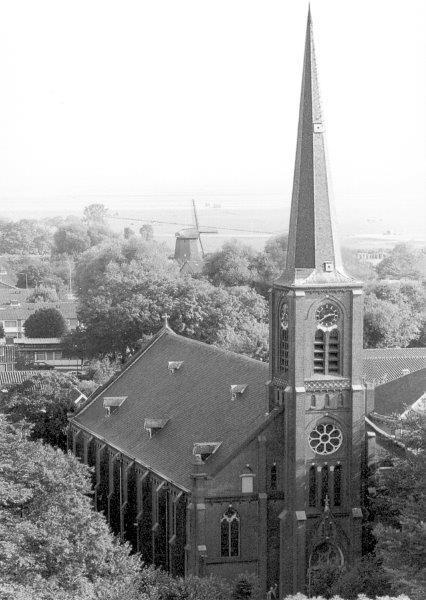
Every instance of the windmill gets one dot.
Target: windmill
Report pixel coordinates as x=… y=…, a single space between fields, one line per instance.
x=189 y=248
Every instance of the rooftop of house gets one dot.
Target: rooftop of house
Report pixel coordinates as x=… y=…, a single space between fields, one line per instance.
x=394 y=397
x=193 y=402
x=21 y=311
x=382 y=365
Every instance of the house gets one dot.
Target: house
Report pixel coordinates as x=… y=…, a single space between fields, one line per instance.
x=209 y=462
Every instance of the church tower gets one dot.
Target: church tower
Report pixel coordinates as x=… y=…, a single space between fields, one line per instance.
x=315 y=367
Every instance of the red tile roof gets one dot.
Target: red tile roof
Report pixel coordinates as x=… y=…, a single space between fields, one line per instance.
x=386 y=364
x=196 y=400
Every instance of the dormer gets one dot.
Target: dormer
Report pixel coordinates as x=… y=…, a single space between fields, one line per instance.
x=153 y=426
x=174 y=365
x=112 y=403
x=237 y=391
x=203 y=450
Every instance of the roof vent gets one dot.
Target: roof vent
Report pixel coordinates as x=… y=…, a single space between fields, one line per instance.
x=154 y=425
x=237 y=391
x=175 y=365
x=405 y=371
x=111 y=403
x=203 y=450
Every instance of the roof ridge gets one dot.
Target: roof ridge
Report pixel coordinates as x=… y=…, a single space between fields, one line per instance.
x=218 y=349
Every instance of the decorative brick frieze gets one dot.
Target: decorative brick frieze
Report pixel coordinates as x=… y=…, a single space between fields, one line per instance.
x=330 y=385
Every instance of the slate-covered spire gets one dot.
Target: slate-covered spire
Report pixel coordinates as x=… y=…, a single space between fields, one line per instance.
x=313 y=250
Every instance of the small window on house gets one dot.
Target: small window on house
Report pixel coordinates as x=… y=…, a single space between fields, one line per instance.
x=174 y=365
x=312 y=486
x=11 y=324
x=337 y=492
x=152 y=426
x=112 y=403
x=39 y=356
x=274 y=476
x=230 y=533
x=205 y=449
x=237 y=390
x=247 y=480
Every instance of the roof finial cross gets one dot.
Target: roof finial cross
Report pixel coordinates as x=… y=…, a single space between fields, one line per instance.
x=166 y=318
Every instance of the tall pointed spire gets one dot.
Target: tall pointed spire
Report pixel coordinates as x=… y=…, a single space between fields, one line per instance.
x=313 y=251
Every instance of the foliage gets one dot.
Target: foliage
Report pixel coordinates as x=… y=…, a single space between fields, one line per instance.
x=50 y=537
x=403 y=262
x=74 y=343
x=401 y=541
x=45 y=323
x=270 y=263
x=32 y=272
x=26 y=236
x=43 y=294
x=393 y=314
x=246 y=586
x=367 y=577
x=300 y=596
x=100 y=370
x=1 y=330
x=95 y=213
x=72 y=239
x=125 y=289
x=44 y=401
x=147 y=232
x=159 y=585
x=323 y=578
x=232 y=265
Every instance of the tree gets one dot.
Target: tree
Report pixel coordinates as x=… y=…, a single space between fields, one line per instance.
x=50 y=537
x=95 y=213
x=32 y=272
x=232 y=265
x=393 y=314
x=26 y=236
x=45 y=323
x=44 y=401
x=367 y=577
x=125 y=290
x=401 y=541
x=43 y=294
x=403 y=262
x=147 y=232
x=71 y=239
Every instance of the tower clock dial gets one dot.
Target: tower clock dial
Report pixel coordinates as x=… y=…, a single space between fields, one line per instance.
x=327 y=315
x=284 y=316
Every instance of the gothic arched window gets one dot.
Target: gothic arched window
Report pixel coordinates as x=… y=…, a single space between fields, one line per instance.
x=274 y=476
x=283 y=339
x=326 y=554
x=337 y=492
x=312 y=486
x=327 y=400
x=230 y=533
x=324 y=484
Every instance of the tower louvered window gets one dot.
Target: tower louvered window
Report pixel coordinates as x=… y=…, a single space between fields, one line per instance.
x=319 y=352
x=274 y=476
x=327 y=352
x=230 y=533
x=333 y=352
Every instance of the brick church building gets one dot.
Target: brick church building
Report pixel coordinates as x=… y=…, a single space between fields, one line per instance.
x=210 y=462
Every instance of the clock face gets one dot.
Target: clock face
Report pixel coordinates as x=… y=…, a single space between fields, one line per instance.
x=327 y=315
x=284 y=316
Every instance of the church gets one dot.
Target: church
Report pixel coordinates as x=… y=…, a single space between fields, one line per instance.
x=210 y=462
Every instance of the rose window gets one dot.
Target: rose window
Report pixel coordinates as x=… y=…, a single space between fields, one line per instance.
x=325 y=439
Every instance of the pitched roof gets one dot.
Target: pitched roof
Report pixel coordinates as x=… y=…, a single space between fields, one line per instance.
x=196 y=400
x=25 y=309
x=11 y=377
x=395 y=396
x=386 y=364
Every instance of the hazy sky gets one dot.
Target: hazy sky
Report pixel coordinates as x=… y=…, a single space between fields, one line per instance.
x=111 y=100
